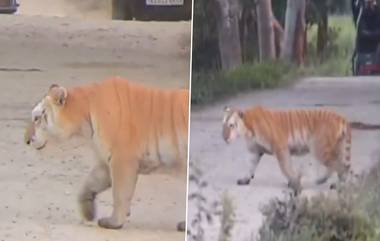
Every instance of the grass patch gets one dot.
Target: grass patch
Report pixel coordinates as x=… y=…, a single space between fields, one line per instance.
x=209 y=87
x=336 y=61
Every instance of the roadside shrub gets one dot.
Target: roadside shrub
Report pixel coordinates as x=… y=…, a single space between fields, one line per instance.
x=227 y=218
x=352 y=213
x=204 y=211
x=369 y=193
x=320 y=218
x=208 y=87
x=207 y=212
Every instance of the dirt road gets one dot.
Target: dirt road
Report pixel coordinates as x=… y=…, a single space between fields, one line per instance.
x=357 y=99
x=39 y=190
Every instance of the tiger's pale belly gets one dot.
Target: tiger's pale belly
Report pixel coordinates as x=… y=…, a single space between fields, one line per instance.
x=296 y=147
x=163 y=157
x=299 y=143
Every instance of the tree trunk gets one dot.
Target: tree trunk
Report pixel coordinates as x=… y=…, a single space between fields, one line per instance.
x=294 y=31
x=243 y=32
x=249 y=35
x=228 y=34
x=322 y=32
x=278 y=36
x=300 y=34
x=265 y=30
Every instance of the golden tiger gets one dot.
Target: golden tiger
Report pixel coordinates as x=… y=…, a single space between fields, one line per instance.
x=324 y=133
x=135 y=130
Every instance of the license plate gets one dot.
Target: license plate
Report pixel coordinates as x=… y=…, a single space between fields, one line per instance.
x=164 y=2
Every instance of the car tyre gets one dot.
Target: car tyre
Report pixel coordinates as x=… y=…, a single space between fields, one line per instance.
x=121 y=10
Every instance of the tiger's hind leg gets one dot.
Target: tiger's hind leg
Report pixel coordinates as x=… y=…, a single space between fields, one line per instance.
x=334 y=153
x=294 y=180
x=330 y=157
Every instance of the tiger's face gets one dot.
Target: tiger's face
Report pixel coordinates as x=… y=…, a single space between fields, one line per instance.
x=46 y=121
x=233 y=125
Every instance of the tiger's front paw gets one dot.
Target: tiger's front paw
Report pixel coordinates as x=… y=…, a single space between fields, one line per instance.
x=110 y=223
x=243 y=181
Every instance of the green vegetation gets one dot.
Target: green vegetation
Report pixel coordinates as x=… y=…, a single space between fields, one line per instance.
x=351 y=214
x=208 y=87
x=207 y=212
x=336 y=59
x=214 y=85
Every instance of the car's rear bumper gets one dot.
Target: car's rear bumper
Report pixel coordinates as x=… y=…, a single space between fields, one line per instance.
x=9 y=9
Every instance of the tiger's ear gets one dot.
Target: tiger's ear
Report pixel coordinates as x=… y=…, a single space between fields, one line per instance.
x=227 y=109
x=241 y=114
x=58 y=94
x=53 y=86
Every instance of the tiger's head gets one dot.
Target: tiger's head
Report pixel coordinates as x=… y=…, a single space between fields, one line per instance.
x=233 y=124
x=50 y=119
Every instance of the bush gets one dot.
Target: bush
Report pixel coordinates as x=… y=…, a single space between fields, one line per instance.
x=227 y=218
x=321 y=218
x=369 y=193
x=207 y=212
x=208 y=87
x=351 y=213
x=204 y=211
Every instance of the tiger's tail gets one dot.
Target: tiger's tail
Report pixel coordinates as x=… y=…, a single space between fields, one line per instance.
x=363 y=126
x=347 y=147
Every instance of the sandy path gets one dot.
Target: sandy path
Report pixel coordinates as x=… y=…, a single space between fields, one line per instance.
x=38 y=200
x=358 y=99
